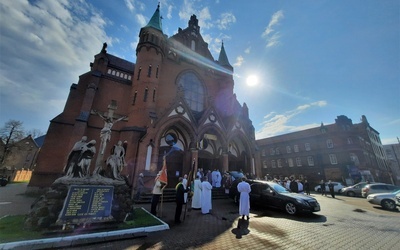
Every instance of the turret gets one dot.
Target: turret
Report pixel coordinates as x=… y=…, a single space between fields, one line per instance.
x=223 y=59
x=150 y=53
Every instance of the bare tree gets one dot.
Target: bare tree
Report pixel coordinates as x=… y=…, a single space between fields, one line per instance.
x=12 y=132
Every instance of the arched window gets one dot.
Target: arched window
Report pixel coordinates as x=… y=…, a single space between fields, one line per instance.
x=193 y=91
x=146 y=93
x=138 y=75
x=193 y=45
x=149 y=71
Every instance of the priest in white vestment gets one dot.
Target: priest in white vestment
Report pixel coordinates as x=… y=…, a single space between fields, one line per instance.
x=244 y=206
x=196 y=200
x=205 y=196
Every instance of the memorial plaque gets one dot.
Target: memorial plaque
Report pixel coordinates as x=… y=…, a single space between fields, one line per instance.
x=87 y=203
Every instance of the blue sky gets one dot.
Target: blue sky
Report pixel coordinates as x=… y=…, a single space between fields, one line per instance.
x=314 y=60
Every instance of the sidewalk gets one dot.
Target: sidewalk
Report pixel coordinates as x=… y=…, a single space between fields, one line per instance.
x=196 y=226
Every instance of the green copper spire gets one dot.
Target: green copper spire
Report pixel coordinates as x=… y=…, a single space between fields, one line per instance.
x=223 y=59
x=155 y=21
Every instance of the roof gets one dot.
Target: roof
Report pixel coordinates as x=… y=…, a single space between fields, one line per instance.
x=40 y=140
x=155 y=21
x=223 y=59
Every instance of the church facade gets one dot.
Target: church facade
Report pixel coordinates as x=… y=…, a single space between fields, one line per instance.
x=175 y=101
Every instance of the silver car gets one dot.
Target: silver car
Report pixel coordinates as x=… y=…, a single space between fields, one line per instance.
x=388 y=201
x=354 y=190
x=378 y=188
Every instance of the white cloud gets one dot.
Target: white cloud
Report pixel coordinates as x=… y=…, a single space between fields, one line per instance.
x=247 y=51
x=239 y=61
x=272 y=37
x=130 y=5
x=276 y=124
x=141 y=19
x=388 y=141
x=225 y=21
x=44 y=48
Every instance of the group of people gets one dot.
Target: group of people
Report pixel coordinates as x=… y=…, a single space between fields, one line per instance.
x=214 y=177
x=330 y=187
x=294 y=185
x=200 y=189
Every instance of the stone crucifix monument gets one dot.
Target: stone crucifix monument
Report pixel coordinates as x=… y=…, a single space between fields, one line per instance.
x=105 y=134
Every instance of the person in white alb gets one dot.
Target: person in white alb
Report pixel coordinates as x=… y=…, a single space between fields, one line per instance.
x=244 y=205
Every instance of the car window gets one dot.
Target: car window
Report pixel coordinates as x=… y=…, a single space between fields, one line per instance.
x=256 y=188
x=377 y=187
x=279 y=189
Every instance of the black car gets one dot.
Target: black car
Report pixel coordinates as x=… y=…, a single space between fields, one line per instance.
x=271 y=194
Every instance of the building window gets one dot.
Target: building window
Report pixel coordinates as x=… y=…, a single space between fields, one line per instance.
x=288 y=149
x=307 y=146
x=310 y=161
x=157 y=72
x=154 y=94
x=298 y=161
x=272 y=151
x=290 y=162
x=265 y=164
x=296 y=148
x=354 y=159
x=146 y=92
x=329 y=143
x=277 y=151
x=349 y=141
x=263 y=152
x=279 y=163
x=134 y=98
x=273 y=163
x=193 y=91
x=149 y=71
x=139 y=71
x=193 y=45
x=332 y=158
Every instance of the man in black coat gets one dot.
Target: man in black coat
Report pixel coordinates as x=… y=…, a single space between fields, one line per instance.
x=331 y=189
x=180 y=200
x=293 y=186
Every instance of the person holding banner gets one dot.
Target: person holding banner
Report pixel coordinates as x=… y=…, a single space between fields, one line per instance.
x=157 y=192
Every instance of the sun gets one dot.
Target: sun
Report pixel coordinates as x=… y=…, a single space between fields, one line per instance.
x=252 y=80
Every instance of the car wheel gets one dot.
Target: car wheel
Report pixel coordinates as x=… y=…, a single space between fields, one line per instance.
x=351 y=194
x=388 y=204
x=319 y=190
x=290 y=208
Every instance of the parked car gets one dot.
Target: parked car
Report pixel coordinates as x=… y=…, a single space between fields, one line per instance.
x=337 y=187
x=388 y=201
x=376 y=188
x=271 y=194
x=354 y=190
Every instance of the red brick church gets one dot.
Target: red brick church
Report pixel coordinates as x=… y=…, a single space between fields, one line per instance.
x=175 y=100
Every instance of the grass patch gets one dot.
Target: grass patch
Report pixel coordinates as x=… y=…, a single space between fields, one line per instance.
x=12 y=227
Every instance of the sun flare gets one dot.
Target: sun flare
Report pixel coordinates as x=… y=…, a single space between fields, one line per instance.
x=252 y=80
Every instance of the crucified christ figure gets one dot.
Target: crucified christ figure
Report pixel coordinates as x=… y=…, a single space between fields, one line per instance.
x=105 y=133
